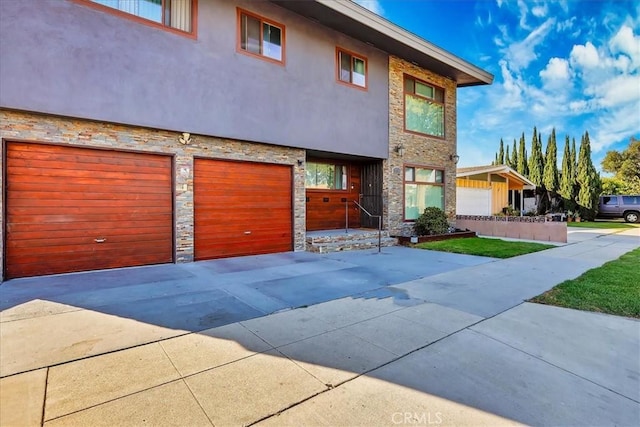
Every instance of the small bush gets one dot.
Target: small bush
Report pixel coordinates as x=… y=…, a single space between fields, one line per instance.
x=432 y=221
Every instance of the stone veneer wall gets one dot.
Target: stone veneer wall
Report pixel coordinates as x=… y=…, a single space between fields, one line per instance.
x=30 y=127
x=419 y=149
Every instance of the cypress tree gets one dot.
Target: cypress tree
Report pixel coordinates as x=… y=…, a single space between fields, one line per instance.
x=500 y=158
x=566 y=180
x=514 y=156
x=507 y=157
x=523 y=163
x=536 y=164
x=550 y=175
x=588 y=180
x=574 y=165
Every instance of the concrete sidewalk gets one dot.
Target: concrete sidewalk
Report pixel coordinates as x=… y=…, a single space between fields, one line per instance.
x=453 y=346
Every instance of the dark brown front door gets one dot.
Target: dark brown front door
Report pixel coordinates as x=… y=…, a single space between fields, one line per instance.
x=75 y=209
x=241 y=208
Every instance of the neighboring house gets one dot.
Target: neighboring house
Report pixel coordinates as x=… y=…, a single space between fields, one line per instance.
x=158 y=131
x=486 y=190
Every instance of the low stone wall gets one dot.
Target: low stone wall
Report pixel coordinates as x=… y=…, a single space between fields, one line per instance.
x=516 y=227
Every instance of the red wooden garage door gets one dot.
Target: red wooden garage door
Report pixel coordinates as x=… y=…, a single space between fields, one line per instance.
x=75 y=209
x=241 y=208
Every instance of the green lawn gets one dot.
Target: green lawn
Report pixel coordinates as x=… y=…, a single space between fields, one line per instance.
x=602 y=224
x=613 y=288
x=494 y=248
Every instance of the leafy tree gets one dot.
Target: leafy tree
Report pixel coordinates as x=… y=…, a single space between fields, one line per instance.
x=550 y=174
x=513 y=164
x=625 y=166
x=617 y=186
x=588 y=180
x=507 y=157
x=500 y=158
x=523 y=163
x=566 y=179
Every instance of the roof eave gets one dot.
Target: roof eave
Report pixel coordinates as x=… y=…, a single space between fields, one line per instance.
x=360 y=23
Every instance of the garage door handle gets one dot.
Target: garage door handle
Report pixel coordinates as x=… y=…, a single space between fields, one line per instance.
x=100 y=240
x=247 y=232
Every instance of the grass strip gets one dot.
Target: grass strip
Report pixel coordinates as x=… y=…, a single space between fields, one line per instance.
x=613 y=288
x=494 y=248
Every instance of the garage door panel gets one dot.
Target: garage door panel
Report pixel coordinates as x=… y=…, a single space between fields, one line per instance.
x=241 y=208
x=65 y=200
x=69 y=228
x=51 y=265
x=473 y=201
x=62 y=168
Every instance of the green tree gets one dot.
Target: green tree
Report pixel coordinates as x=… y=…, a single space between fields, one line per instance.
x=536 y=171
x=507 y=157
x=523 y=163
x=550 y=174
x=566 y=179
x=625 y=166
x=588 y=180
x=514 y=156
x=536 y=163
x=500 y=158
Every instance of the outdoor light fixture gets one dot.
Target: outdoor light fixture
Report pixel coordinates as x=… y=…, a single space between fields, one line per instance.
x=300 y=162
x=185 y=138
x=454 y=157
x=400 y=150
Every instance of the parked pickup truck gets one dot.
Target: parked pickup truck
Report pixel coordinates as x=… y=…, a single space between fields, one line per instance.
x=627 y=207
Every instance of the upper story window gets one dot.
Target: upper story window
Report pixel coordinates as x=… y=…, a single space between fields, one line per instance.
x=423 y=188
x=325 y=176
x=423 y=107
x=352 y=68
x=260 y=36
x=174 y=14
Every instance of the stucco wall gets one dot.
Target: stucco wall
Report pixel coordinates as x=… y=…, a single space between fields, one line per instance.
x=20 y=126
x=66 y=58
x=419 y=149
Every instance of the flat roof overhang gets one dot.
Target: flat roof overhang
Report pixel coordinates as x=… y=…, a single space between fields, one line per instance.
x=358 y=22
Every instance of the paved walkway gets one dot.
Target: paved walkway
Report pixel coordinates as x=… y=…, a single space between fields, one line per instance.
x=403 y=338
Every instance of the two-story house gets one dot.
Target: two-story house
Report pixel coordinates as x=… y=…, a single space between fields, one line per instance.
x=155 y=131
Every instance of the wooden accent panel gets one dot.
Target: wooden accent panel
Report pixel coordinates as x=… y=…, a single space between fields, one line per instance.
x=472 y=183
x=499 y=196
x=61 y=199
x=241 y=208
x=330 y=215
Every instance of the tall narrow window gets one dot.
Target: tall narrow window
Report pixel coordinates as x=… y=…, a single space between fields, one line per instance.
x=352 y=69
x=176 y=14
x=261 y=37
x=423 y=107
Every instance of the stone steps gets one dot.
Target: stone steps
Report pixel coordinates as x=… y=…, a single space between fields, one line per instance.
x=337 y=242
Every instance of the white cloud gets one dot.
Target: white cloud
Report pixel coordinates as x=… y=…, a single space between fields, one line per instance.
x=521 y=54
x=373 y=5
x=556 y=73
x=625 y=42
x=620 y=90
x=540 y=11
x=585 y=56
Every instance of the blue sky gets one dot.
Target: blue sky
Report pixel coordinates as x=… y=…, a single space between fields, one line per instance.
x=572 y=65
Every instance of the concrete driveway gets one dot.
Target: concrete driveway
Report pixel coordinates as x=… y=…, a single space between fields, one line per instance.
x=406 y=337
